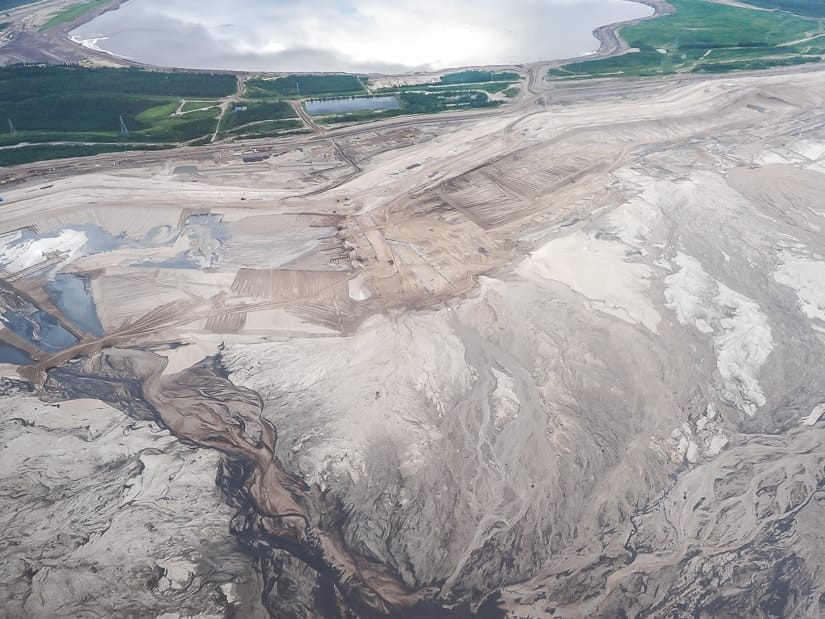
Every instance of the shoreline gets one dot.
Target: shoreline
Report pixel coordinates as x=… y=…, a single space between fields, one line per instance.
x=610 y=41
x=610 y=44
x=609 y=37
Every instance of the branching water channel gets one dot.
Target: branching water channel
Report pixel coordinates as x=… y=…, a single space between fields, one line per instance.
x=276 y=510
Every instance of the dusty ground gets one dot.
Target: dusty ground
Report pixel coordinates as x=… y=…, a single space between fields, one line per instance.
x=564 y=358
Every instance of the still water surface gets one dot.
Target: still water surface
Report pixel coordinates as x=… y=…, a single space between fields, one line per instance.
x=352 y=35
x=351 y=104
x=72 y=295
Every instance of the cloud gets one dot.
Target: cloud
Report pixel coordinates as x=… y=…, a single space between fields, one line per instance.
x=353 y=35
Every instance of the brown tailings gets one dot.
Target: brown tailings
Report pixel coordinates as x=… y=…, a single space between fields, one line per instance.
x=276 y=509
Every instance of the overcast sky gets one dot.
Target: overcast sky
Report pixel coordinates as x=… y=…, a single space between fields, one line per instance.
x=353 y=35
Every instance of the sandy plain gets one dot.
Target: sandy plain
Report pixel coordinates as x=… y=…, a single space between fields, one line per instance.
x=562 y=359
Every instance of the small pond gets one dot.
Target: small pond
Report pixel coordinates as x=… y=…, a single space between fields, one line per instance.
x=41 y=329
x=351 y=104
x=15 y=356
x=72 y=295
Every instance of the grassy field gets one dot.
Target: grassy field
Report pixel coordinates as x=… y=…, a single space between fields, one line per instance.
x=246 y=112
x=77 y=104
x=298 y=85
x=178 y=128
x=811 y=8
x=268 y=129
x=71 y=13
x=701 y=34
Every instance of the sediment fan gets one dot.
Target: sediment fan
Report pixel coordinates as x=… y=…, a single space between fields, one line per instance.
x=561 y=356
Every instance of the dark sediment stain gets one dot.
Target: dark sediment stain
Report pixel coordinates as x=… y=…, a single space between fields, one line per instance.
x=276 y=511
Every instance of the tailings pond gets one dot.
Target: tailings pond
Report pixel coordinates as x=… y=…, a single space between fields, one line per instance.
x=353 y=36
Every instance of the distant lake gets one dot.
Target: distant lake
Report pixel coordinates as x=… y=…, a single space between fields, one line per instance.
x=352 y=35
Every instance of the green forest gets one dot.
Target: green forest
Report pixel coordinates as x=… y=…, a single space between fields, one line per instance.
x=57 y=103
x=31 y=81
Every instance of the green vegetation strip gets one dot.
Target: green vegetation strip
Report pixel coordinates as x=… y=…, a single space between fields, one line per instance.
x=71 y=13
x=276 y=128
x=298 y=85
x=703 y=36
x=489 y=87
x=811 y=8
x=487 y=81
x=475 y=77
x=427 y=103
x=419 y=103
x=6 y=5
x=191 y=106
x=30 y=154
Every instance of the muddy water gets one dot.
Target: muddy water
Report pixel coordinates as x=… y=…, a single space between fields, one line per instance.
x=206 y=234
x=15 y=356
x=277 y=511
x=33 y=325
x=72 y=295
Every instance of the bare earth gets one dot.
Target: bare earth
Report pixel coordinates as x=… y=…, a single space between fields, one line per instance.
x=564 y=359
